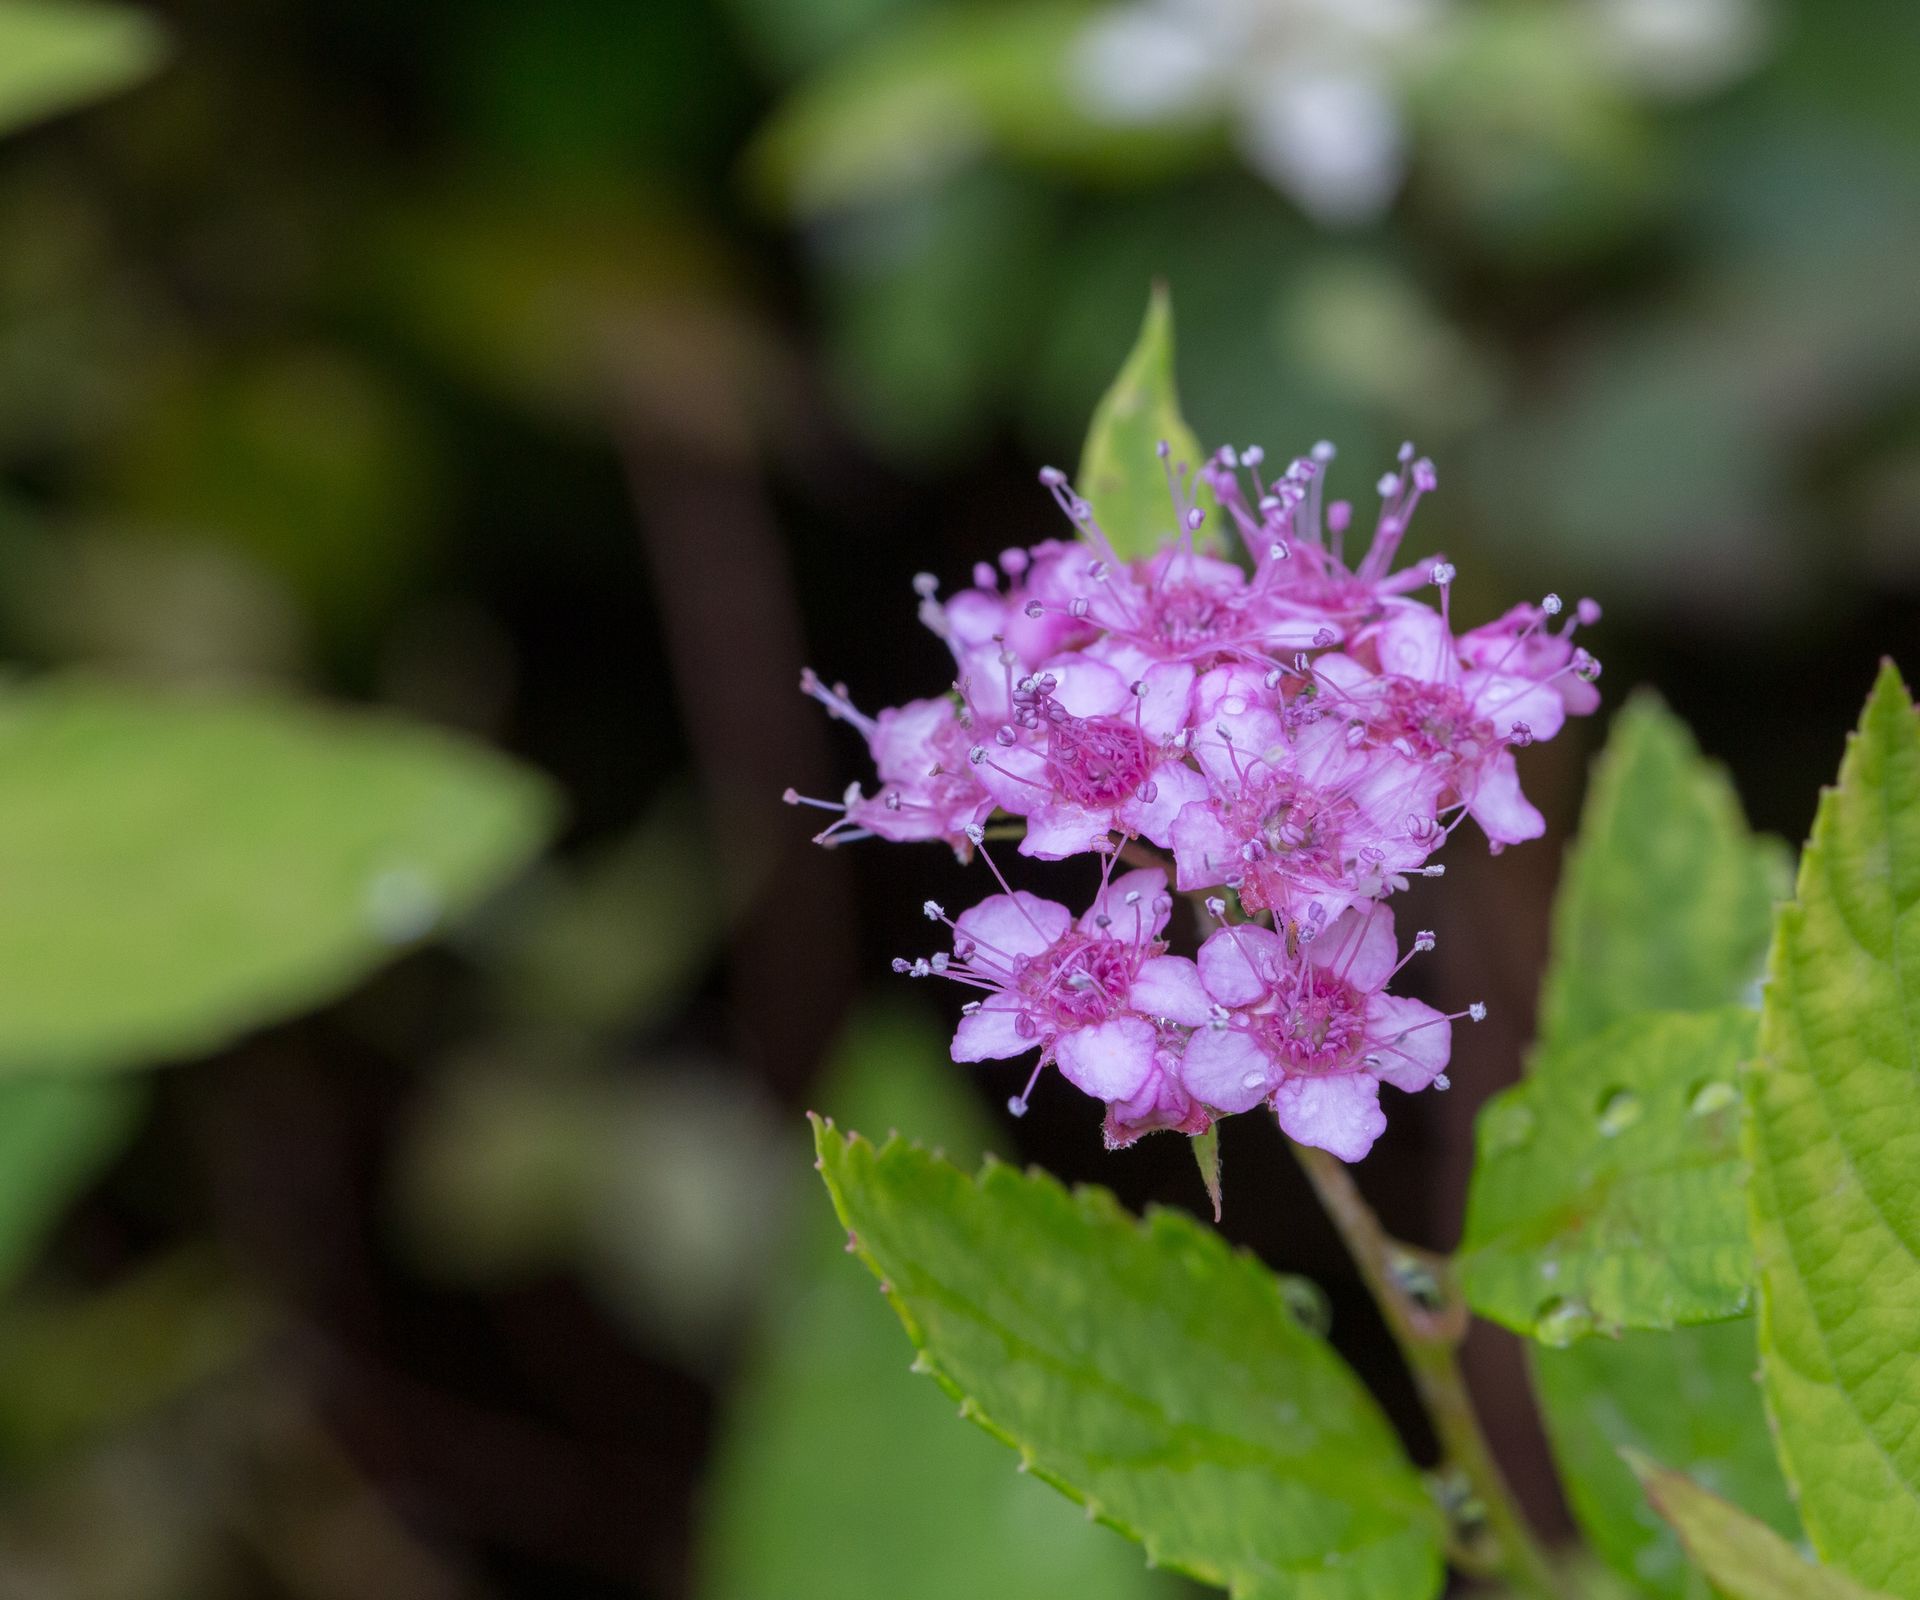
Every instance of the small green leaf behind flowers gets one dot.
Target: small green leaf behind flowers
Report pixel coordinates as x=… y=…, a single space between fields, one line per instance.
x=1145 y=1369
x=1123 y=473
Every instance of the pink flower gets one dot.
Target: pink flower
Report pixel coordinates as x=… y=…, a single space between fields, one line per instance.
x=1308 y=1027
x=1084 y=753
x=928 y=789
x=1098 y=997
x=1300 y=820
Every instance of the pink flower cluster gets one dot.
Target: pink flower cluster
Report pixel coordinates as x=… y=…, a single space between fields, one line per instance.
x=1301 y=732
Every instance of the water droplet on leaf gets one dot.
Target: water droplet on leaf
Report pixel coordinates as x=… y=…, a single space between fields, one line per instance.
x=1620 y=1109
x=1510 y=1125
x=1560 y=1321
x=1309 y=1304
x=1714 y=1095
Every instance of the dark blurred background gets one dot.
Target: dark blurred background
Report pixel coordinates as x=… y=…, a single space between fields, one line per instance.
x=570 y=373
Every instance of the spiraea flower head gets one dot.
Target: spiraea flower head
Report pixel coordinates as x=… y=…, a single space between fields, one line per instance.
x=1301 y=727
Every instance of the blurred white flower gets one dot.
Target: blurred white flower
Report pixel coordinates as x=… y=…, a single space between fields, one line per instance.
x=1680 y=48
x=1308 y=86
x=1311 y=89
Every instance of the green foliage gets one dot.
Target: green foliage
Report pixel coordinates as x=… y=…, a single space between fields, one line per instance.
x=1745 y=1559
x=931 y=94
x=911 y=1503
x=1607 y=1188
x=1121 y=471
x=55 y=1133
x=1834 y=1143
x=1147 y=1371
x=180 y=869
x=56 y=55
x=1689 y=1396
x=1665 y=900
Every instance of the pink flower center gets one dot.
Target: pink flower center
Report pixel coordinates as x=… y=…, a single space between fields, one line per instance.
x=1315 y=1024
x=1428 y=720
x=1096 y=762
x=1079 y=980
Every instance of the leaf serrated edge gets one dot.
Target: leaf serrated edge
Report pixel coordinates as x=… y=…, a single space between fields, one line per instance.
x=849 y=1145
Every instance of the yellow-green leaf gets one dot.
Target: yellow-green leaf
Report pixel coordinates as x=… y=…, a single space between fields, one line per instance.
x=1834 y=1140
x=1122 y=474
x=56 y=55
x=177 y=869
x=1742 y=1556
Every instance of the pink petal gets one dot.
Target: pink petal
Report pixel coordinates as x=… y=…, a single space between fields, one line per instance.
x=1111 y=1060
x=1170 y=987
x=1340 y=1114
x=1204 y=852
x=1413 y=1041
x=1226 y=1069
x=1058 y=830
x=1359 y=946
x=1505 y=815
x=1236 y=963
x=990 y=1034
x=1136 y=923
x=1089 y=688
x=1016 y=778
x=1175 y=787
x=1163 y=708
x=1504 y=699
x=1009 y=925
x=1414 y=643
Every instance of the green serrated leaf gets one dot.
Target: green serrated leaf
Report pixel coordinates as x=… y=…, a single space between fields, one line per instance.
x=57 y=55
x=55 y=1134
x=1666 y=899
x=178 y=869
x=1147 y=1371
x=1607 y=1189
x=1744 y=1558
x=1834 y=1140
x=1122 y=474
x=1690 y=1397
x=910 y=1504
x=1206 y=1154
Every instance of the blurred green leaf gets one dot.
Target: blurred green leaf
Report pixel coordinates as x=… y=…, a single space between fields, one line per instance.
x=311 y=462
x=1833 y=1136
x=1666 y=898
x=612 y=940
x=1122 y=474
x=56 y=55
x=180 y=869
x=911 y=1505
x=1145 y=1369
x=940 y=89
x=1607 y=1187
x=1744 y=1558
x=73 y=1366
x=1693 y=1397
x=55 y=1134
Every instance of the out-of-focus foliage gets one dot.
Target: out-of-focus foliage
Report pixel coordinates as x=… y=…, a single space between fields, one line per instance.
x=905 y=1490
x=1834 y=1141
x=54 y=1135
x=56 y=55
x=1742 y=1556
x=1664 y=901
x=258 y=856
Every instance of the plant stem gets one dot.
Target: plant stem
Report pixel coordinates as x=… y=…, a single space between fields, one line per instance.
x=1428 y=1319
